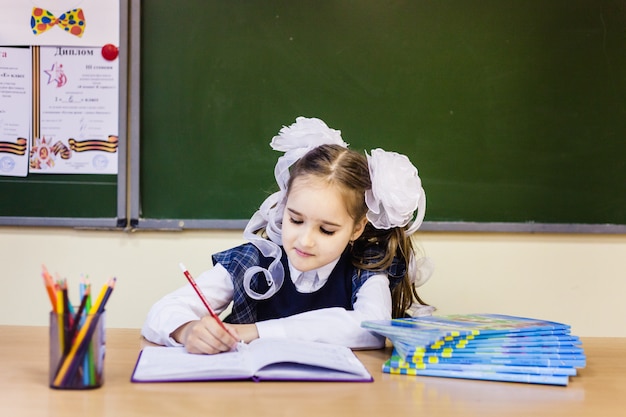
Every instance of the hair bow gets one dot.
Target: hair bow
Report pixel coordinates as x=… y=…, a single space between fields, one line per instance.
x=396 y=192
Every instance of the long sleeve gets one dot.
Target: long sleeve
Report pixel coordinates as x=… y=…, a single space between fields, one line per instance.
x=337 y=325
x=330 y=325
x=184 y=305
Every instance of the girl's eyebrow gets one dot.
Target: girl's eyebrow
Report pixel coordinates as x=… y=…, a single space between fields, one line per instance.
x=297 y=213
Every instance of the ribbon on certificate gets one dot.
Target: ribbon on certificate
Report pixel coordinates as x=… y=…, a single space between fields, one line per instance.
x=109 y=145
x=72 y=21
x=44 y=153
x=60 y=149
x=17 y=148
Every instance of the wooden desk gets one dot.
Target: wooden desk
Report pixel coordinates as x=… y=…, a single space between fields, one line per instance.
x=599 y=390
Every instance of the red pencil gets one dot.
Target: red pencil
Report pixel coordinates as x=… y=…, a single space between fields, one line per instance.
x=203 y=298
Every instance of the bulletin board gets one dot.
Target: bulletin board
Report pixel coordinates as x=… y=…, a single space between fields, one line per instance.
x=63 y=156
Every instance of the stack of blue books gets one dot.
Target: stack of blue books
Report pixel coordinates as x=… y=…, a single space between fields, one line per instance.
x=482 y=346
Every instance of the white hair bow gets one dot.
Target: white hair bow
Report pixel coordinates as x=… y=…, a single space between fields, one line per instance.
x=396 y=192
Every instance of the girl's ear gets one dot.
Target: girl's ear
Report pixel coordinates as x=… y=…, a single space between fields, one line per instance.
x=359 y=227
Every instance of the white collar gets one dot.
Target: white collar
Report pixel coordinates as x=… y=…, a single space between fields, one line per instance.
x=322 y=273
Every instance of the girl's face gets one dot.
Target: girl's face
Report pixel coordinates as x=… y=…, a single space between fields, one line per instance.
x=316 y=225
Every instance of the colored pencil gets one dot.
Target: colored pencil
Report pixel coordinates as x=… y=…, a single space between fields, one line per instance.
x=89 y=368
x=78 y=316
x=60 y=311
x=49 y=283
x=79 y=346
x=66 y=318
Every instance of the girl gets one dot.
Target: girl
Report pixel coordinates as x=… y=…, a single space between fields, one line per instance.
x=330 y=249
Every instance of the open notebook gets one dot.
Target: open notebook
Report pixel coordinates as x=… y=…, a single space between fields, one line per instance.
x=262 y=359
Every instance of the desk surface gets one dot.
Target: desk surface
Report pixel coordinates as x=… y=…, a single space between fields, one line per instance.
x=599 y=390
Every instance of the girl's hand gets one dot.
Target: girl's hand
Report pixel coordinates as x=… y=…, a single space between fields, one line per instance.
x=247 y=332
x=206 y=336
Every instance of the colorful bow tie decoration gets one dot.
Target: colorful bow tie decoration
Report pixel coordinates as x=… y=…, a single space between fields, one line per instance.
x=72 y=21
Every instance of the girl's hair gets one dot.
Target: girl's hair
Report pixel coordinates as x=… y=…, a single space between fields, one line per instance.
x=349 y=172
x=344 y=168
x=366 y=254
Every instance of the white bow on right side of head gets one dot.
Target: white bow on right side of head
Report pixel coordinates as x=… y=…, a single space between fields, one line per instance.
x=396 y=192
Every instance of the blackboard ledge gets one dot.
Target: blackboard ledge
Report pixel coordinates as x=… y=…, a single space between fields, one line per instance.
x=491 y=227
x=528 y=227
x=184 y=224
x=73 y=222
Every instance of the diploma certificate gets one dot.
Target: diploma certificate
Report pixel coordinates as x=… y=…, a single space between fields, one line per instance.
x=15 y=110
x=77 y=129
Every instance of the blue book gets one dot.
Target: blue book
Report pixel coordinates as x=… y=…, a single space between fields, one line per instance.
x=437 y=329
x=482 y=375
x=397 y=362
x=510 y=341
x=553 y=352
x=534 y=361
x=482 y=346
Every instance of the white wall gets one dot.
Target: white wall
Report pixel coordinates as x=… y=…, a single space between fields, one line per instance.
x=577 y=279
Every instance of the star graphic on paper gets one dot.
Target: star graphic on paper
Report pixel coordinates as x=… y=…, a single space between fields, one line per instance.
x=56 y=74
x=51 y=73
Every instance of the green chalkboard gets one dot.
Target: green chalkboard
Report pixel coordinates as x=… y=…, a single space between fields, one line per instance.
x=53 y=196
x=514 y=111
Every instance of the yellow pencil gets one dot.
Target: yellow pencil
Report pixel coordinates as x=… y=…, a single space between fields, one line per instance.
x=59 y=316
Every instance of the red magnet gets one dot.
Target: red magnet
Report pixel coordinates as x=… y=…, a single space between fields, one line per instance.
x=109 y=52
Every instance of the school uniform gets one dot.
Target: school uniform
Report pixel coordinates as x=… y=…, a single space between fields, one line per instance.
x=325 y=305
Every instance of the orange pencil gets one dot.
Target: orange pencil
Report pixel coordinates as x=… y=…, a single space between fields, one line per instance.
x=49 y=283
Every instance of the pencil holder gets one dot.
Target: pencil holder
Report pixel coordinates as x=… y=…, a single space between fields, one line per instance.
x=77 y=351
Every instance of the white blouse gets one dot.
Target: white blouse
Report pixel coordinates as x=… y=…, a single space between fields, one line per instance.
x=331 y=325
